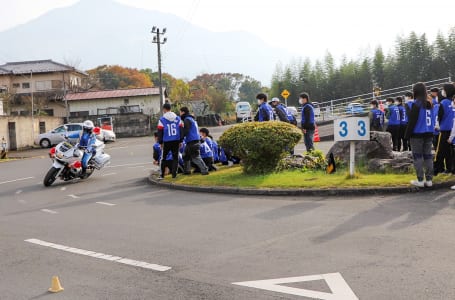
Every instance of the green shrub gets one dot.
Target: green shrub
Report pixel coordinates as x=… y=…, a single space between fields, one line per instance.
x=260 y=145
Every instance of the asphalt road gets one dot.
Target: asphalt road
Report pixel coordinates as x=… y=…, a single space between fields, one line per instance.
x=394 y=247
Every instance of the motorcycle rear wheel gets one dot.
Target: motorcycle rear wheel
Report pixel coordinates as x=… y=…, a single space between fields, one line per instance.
x=50 y=176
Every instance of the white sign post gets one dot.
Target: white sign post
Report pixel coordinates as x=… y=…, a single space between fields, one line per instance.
x=352 y=129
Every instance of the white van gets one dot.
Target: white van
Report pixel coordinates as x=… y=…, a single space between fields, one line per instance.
x=243 y=111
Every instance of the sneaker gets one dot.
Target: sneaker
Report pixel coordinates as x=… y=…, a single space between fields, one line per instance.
x=174 y=175
x=160 y=177
x=428 y=183
x=205 y=173
x=418 y=183
x=452 y=187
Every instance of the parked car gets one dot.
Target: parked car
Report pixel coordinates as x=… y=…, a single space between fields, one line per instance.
x=107 y=135
x=57 y=135
x=354 y=108
x=293 y=110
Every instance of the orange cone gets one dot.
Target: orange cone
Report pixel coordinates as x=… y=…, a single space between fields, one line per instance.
x=316 y=137
x=55 y=285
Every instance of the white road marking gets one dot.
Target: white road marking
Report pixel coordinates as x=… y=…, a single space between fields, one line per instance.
x=49 y=211
x=14 y=180
x=118 y=259
x=113 y=148
x=135 y=167
x=21 y=201
x=63 y=188
x=109 y=174
x=106 y=203
x=18 y=192
x=128 y=165
x=340 y=289
x=73 y=196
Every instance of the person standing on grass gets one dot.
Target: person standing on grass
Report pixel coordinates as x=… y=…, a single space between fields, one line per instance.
x=307 y=122
x=376 y=117
x=169 y=137
x=393 y=115
x=420 y=132
x=192 y=152
x=403 y=123
x=445 y=117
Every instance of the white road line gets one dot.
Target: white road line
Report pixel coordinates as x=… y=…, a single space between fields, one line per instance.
x=14 y=180
x=135 y=167
x=49 y=211
x=63 y=188
x=18 y=192
x=128 y=165
x=109 y=174
x=118 y=259
x=106 y=203
x=113 y=148
x=21 y=201
x=73 y=196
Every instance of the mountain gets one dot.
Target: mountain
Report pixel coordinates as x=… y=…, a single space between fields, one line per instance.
x=98 y=32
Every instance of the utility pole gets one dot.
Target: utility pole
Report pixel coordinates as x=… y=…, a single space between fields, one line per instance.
x=33 y=118
x=158 y=42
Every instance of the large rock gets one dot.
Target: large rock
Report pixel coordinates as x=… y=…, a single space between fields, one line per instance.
x=379 y=146
x=377 y=153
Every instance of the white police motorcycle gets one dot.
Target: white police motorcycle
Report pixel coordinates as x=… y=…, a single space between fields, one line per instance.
x=66 y=162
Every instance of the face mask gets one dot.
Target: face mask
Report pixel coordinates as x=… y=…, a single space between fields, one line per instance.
x=397 y=103
x=301 y=101
x=443 y=93
x=372 y=107
x=259 y=102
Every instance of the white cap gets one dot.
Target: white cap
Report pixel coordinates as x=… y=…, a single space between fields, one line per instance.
x=275 y=99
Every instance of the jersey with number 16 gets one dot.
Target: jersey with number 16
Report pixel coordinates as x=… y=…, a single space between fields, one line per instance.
x=171 y=128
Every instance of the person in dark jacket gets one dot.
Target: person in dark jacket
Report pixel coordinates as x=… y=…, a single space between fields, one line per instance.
x=376 y=117
x=169 y=137
x=265 y=111
x=280 y=110
x=403 y=122
x=420 y=132
x=393 y=115
x=445 y=118
x=192 y=152
x=307 y=122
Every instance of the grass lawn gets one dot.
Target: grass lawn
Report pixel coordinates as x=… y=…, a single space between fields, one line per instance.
x=233 y=177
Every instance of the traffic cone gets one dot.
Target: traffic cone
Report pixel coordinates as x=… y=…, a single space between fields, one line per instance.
x=316 y=137
x=55 y=285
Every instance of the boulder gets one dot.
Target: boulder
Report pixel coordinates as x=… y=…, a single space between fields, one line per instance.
x=377 y=153
x=379 y=146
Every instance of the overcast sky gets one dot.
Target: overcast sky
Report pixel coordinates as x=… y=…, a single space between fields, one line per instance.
x=306 y=28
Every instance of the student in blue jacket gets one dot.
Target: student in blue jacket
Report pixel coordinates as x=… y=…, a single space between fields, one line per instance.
x=445 y=117
x=393 y=115
x=420 y=132
x=265 y=111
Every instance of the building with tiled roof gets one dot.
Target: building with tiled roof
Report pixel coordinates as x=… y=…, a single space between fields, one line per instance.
x=112 y=102
x=44 y=81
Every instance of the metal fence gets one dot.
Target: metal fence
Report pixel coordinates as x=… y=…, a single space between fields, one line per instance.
x=359 y=104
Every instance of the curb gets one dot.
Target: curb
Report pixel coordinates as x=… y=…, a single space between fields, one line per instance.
x=300 y=192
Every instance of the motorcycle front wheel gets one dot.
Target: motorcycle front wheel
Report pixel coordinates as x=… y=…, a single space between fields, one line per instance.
x=50 y=176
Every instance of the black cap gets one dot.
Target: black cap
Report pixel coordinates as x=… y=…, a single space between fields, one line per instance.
x=167 y=106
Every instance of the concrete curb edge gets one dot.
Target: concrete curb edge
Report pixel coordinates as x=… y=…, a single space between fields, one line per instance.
x=300 y=192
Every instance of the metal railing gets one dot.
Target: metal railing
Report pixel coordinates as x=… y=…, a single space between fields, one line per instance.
x=338 y=108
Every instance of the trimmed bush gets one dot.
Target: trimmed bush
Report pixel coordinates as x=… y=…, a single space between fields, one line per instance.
x=260 y=145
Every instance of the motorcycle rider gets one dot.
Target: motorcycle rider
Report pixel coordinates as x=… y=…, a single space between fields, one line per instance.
x=87 y=139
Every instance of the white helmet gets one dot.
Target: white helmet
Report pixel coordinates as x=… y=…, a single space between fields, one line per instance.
x=88 y=125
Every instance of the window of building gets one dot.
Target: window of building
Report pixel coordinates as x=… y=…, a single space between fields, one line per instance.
x=79 y=113
x=16 y=85
x=126 y=101
x=42 y=127
x=25 y=85
x=43 y=85
x=57 y=84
